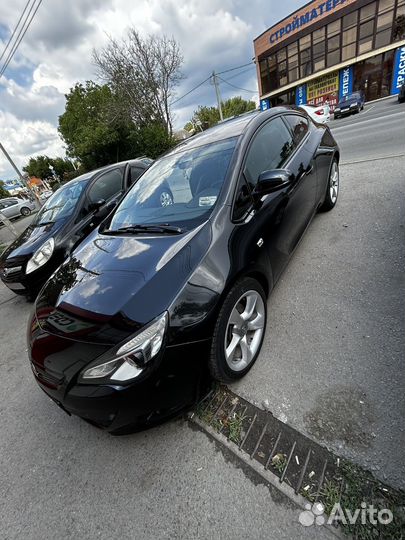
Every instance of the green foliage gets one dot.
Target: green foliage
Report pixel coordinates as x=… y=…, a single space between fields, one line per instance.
x=98 y=132
x=41 y=168
x=206 y=117
x=3 y=191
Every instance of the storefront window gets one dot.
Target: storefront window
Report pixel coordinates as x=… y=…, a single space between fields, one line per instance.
x=350 y=36
x=399 y=24
x=350 y=20
x=384 y=21
x=367 y=12
x=334 y=28
x=318 y=35
x=349 y=52
x=281 y=55
x=333 y=58
x=293 y=49
x=385 y=5
x=305 y=63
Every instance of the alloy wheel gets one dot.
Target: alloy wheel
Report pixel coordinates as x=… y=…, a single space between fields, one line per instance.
x=244 y=330
x=334 y=182
x=165 y=199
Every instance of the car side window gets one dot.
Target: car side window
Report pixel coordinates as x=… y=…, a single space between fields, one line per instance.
x=270 y=148
x=298 y=125
x=106 y=186
x=135 y=173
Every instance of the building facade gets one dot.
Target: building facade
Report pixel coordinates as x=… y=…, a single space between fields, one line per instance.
x=328 y=49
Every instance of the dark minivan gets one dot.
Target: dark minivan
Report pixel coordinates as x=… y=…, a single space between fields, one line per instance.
x=127 y=330
x=66 y=218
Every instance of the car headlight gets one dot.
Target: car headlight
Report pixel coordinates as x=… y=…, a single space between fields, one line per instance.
x=41 y=256
x=337 y=109
x=131 y=357
x=354 y=105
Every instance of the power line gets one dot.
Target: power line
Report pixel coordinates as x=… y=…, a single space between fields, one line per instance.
x=238 y=87
x=192 y=90
x=14 y=31
x=210 y=77
x=20 y=36
x=233 y=69
x=238 y=74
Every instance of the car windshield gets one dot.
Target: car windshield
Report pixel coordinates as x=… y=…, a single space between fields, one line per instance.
x=62 y=203
x=180 y=189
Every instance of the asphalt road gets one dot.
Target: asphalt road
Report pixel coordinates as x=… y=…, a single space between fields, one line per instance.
x=332 y=364
x=333 y=353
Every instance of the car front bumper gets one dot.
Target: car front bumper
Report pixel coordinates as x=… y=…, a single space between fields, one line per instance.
x=159 y=393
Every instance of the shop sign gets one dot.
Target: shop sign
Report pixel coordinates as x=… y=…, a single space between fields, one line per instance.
x=345 y=81
x=398 y=75
x=324 y=88
x=264 y=104
x=301 y=95
x=299 y=21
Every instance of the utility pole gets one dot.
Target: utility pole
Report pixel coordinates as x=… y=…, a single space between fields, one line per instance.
x=216 y=84
x=16 y=169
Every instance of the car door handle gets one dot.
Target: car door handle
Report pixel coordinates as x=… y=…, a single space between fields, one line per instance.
x=306 y=171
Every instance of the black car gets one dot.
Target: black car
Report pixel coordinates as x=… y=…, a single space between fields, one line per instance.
x=350 y=104
x=66 y=218
x=123 y=333
x=401 y=95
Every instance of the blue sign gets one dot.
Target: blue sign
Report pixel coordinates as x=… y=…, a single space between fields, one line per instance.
x=301 y=95
x=264 y=104
x=398 y=74
x=296 y=22
x=345 y=82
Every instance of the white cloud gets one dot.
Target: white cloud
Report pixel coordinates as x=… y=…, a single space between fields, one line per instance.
x=56 y=53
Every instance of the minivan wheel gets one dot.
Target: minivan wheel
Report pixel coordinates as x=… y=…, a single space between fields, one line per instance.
x=332 y=189
x=239 y=331
x=25 y=211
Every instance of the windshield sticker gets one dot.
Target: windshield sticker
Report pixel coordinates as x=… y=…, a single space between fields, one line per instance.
x=207 y=201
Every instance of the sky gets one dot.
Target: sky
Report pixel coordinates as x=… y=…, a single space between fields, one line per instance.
x=56 y=53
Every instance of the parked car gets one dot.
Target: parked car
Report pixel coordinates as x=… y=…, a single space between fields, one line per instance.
x=45 y=195
x=319 y=113
x=350 y=104
x=13 y=207
x=401 y=95
x=67 y=217
x=123 y=333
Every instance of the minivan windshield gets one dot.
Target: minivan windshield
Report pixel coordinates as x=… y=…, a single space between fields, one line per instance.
x=62 y=203
x=180 y=189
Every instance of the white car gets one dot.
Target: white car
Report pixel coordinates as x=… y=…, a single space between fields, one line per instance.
x=319 y=113
x=13 y=207
x=45 y=195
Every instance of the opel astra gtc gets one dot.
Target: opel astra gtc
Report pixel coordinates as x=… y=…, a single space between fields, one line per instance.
x=124 y=331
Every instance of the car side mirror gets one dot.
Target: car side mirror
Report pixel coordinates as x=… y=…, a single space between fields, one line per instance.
x=96 y=205
x=271 y=181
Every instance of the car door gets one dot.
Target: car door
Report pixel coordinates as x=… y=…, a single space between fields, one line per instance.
x=135 y=172
x=10 y=208
x=277 y=223
x=107 y=187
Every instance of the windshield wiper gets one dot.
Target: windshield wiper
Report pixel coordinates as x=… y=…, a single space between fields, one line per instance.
x=161 y=228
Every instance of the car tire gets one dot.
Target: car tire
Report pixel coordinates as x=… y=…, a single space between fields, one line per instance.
x=25 y=211
x=332 y=188
x=165 y=198
x=241 y=320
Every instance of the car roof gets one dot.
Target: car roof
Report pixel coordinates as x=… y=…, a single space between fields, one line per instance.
x=232 y=127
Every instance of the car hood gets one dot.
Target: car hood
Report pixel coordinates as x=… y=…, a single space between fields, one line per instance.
x=113 y=285
x=31 y=239
x=347 y=103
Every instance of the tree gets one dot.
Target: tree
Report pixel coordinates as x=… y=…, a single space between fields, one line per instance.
x=40 y=167
x=3 y=191
x=206 y=117
x=143 y=74
x=97 y=131
x=89 y=128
